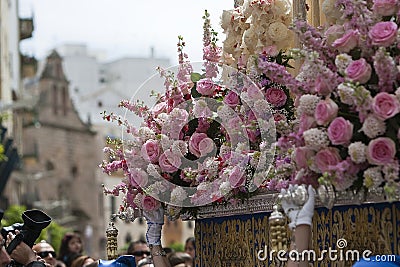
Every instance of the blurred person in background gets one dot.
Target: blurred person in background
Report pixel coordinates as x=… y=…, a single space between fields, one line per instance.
x=190 y=248
x=180 y=259
x=71 y=247
x=82 y=261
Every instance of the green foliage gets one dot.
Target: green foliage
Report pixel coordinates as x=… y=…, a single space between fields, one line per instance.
x=177 y=247
x=52 y=234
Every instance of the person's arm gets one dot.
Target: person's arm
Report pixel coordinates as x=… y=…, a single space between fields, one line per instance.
x=155 y=222
x=23 y=254
x=300 y=221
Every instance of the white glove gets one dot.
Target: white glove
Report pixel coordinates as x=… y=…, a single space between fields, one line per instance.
x=155 y=222
x=299 y=215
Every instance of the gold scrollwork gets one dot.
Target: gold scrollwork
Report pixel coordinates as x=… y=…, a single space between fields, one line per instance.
x=236 y=241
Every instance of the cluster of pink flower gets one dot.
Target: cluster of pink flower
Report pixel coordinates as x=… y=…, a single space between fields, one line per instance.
x=209 y=137
x=348 y=101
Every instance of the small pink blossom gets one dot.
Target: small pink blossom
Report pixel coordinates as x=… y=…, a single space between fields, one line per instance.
x=383 y=33
x=326 y=111
x=385 y=105
x=276 y=96
x=359 y=71
x=381 y=151
x=205 y=86
x=340 y=131
x=326 y=158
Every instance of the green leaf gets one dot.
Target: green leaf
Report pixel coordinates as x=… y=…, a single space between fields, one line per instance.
x=195 y=76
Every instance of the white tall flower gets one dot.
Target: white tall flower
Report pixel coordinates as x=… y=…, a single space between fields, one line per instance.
x=373 y=127
x=358 y=152
x=316 y=139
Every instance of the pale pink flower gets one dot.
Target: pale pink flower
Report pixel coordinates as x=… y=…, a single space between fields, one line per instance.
x=236 y=177
x=205 y=86
x=326 y=158
x=302 y=155
x=340 y=131
x=169 y=162
x=200 y=144
x=383 y=33
x=359 y=71
x=149 y=203
x=385 y=7
x=138 y=177
x=385 y=105
x=381 y=151
x=347 y=42
x=276 y=96
x=326 y=111
x=150 y=151
x=231 y=99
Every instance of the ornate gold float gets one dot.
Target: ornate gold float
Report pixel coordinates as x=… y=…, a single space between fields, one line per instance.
x=234 y=235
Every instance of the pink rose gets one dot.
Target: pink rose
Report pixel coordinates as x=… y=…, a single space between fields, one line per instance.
x=340 y=131
x=359 y=71
x=169 y=162
x=327 y=158
x=205 y=86
x=385 y=7
x=325 y=111
x=322 y=86
x=138 y=177
x=200 y=144
x=150 y=151
x=306 y=123
x=333 y=33
x=149 y=203
x=302 y=155
x=347 y=42
x=385 y=105
x=381 y=151
x=254 y=92
x=276 y=97
x=236 y=177
x=383 y=33
x=158 y=109
x=231 y=99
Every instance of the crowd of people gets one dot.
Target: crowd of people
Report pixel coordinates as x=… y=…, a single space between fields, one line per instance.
x=150 y=253
x=140 y=253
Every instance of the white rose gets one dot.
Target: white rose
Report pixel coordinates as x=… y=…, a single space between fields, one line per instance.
x=277 y=31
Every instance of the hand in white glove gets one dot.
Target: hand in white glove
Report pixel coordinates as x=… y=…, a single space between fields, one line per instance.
x=299 y=215
x=155 y=221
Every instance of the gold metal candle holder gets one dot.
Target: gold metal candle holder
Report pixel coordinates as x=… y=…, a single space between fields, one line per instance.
x=112 y=245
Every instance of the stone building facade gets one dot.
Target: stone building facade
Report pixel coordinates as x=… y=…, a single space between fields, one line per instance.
x=60 y=160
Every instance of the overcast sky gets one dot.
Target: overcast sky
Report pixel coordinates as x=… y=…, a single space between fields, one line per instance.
x=121 y=27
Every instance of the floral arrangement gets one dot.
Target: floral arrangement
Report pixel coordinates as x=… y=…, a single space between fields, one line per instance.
x=347 y=100
x=210 y=137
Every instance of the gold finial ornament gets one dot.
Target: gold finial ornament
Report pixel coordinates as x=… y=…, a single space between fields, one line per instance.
x=112 y=246
x=278 y=234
